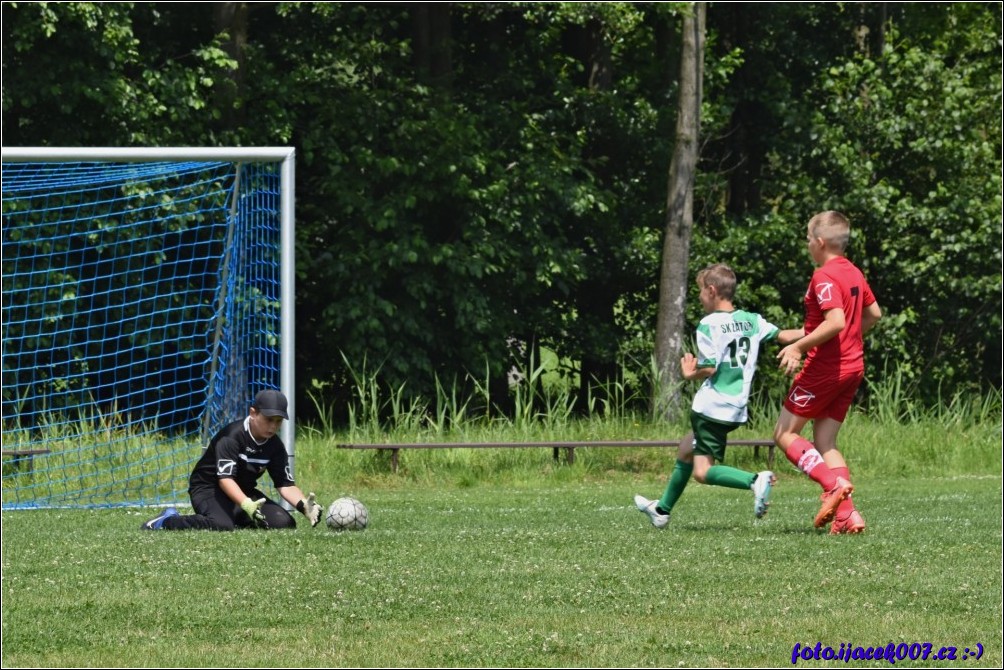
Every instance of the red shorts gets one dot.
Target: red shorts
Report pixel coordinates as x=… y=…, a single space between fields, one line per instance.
x=823 y=395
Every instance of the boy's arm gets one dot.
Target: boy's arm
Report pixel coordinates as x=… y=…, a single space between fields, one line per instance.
x=791 y=356
x=690 y=371
x=790 y=335
x=870 y=316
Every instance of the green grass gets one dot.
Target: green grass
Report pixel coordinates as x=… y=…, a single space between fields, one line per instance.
x=505 y=558
x=533 y=571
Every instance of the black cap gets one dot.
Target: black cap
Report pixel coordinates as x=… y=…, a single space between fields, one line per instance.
x=271 y=403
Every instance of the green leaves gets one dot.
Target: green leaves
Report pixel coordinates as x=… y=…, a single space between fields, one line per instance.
x=521 y=194
x=901 y=144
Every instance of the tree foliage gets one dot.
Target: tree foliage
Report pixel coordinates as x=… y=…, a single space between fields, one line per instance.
x=474 y=175
x=908 y=145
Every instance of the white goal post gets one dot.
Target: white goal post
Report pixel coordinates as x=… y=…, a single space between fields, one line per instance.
x=41 y=295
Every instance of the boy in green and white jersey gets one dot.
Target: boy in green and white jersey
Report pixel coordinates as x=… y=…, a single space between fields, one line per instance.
x=728 y=343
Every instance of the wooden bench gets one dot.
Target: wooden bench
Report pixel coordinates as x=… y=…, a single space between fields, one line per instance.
x=19 y=456
x=569 y=447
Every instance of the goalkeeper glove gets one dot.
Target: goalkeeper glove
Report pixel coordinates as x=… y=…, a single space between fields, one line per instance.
x=253 y=509
x=310 y=509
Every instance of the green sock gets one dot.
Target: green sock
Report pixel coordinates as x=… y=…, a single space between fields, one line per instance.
x=677 y=482
x=733 y=478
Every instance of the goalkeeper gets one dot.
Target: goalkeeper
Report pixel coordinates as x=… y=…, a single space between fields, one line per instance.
x=223 y=485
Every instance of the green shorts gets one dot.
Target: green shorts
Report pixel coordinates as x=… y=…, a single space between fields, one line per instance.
x=710 y=436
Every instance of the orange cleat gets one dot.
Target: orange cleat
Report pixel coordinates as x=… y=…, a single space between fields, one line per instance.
x=851 y=524
x=831 y=500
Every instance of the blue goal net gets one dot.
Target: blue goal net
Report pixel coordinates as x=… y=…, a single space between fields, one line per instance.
x=141 y=313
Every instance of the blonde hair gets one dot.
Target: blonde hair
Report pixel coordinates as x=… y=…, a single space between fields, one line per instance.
x=721 y=277
x=833 y=228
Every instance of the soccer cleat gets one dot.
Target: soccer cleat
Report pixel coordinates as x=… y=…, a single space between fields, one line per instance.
x=157 y=523
x=831 y=499
x=761 y=492
x=851 y=524
x=648 y=507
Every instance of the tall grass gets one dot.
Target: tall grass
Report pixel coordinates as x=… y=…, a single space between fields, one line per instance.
x=889 y=402
x=540 y=402
x=97 y=459
x=889 y=436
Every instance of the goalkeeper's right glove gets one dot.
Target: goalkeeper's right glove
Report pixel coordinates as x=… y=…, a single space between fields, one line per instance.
x=310 y=509
x=253 y=509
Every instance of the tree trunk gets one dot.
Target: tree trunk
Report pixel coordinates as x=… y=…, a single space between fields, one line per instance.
x=679 y=220
x=432 y=44
x=595 y=300
x=869 y=34
x=232 y=18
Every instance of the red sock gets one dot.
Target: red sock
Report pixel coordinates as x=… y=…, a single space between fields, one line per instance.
x=846 y=505
x=804 y=456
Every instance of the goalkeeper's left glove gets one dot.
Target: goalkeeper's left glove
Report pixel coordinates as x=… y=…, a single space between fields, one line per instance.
x=310 y=509
x=253 y=509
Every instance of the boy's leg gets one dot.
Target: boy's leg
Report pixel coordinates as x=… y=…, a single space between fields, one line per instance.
x=709 y=447
x=709 y=444
x=824 y=435
x=825 y=429
x=682 y=470
x=804 y=455
x=658 y=510
x=734 y=478
x=847 y=518
x=729 y=477
x=825 y=399
x=213 y=511
x=276 y=517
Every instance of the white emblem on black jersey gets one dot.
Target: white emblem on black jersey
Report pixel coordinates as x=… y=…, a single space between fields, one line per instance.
x=225 y=467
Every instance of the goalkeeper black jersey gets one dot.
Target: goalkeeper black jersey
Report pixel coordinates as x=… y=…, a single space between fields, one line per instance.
x=234 y=454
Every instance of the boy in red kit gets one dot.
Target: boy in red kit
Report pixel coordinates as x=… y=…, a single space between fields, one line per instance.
x=839 y=309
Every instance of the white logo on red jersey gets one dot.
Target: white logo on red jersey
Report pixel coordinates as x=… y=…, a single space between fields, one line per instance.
x=824 y=292
x=225 y=468
x=800 y=397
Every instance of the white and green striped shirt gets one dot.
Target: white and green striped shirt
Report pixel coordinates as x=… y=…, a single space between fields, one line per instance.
x=730 y=343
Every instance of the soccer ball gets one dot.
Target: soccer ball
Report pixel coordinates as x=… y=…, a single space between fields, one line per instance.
x=347 y=514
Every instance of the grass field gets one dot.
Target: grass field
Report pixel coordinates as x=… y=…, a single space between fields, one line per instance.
x=552 y=567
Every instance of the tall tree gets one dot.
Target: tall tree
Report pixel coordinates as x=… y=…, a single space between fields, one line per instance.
x=231 y=22
x=679 y=215
x=431 y=43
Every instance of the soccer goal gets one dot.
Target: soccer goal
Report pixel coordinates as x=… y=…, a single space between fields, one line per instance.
x=147 y=296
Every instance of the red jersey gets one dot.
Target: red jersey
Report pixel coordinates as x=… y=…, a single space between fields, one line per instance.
x=838 y=283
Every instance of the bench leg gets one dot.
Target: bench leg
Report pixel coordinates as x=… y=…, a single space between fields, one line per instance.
x=569 y=455
x=770 y=455
x=18 y=462
x=393 y=460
